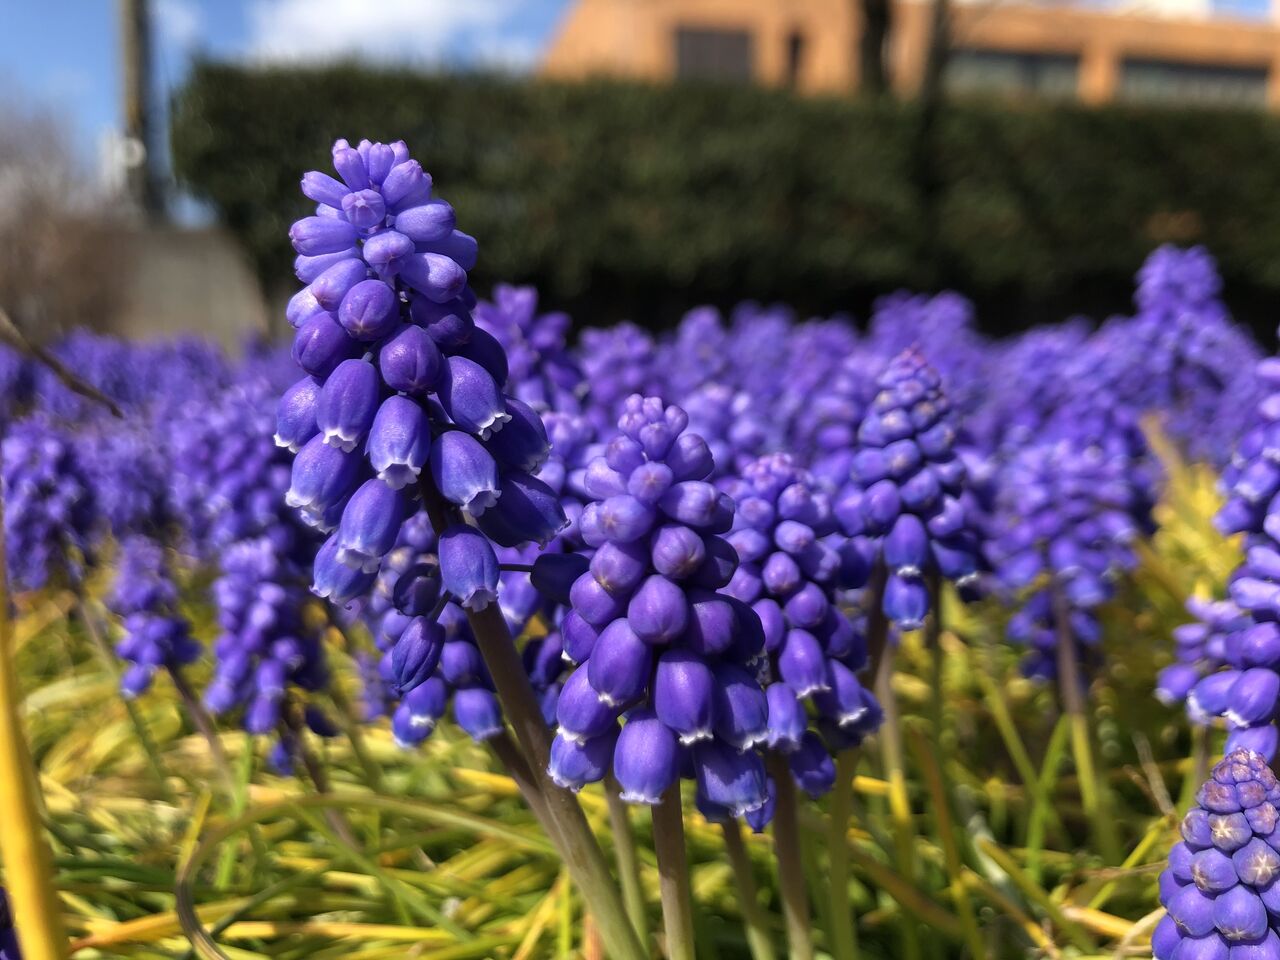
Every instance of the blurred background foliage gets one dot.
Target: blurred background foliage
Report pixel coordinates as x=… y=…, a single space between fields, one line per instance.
x=620 y=199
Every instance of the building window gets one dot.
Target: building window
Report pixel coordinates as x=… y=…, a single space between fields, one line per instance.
x=1162 y=81
x=711 y=54
x=795 y=57
x=1012 y=73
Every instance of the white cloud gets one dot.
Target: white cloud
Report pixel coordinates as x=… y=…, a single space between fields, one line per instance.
x=179 y=22
x=380 y=30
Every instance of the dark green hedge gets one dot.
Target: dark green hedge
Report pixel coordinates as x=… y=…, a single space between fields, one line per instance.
x=621 y=199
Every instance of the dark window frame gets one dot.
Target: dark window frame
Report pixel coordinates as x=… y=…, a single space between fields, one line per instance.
x=707 y=53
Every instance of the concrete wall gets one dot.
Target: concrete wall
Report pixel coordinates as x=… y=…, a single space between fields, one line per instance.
x=189 y=282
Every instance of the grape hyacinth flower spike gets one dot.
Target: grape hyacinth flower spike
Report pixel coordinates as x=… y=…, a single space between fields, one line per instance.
x=411 y=415
x=1222 y=886
x=907 y=506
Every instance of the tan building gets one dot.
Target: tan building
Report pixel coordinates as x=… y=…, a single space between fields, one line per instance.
x=1176 y=51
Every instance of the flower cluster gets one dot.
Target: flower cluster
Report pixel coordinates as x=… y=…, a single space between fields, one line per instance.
x=402 y=386
x=907 y=502
x=783 y=532
x=51 y=506
x=657 y=645
x=1220 y=888
x=542 y=371
x=1065 y=511
x=145 y=597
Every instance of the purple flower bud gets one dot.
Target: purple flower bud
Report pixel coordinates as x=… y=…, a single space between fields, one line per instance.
x=807 y=607
x=321 y=344
x=370 y=524
x=802 y=664
x=575 y=763
x=388 y=253
x=580 y=713
x=527 y=511
x=847 y=702
x=649 y=482
x=370 y=310
x=811 y=766
x=448 y=324
x=296 y=414
x=522 y=443
x=486 y=351
x=619 y=568
x=437 y=277
x=554 y=573
x=712 y=625
x=417 y=590
x=427 y=223
x=1212 y=871
x=1253 y=697
x=620 y=665
x=646 y=758
x=364 y=209
x=410 y=361
x=348 y=403
x=464 y=472
x=1193 y=911
x=880 y=506
x=658 y=611
x=310 y=269
x=690 y=458
x=906 y=602
x=787 y=720
x=322 y=477
x=322 y=188
x=1256 y=863
x=461 y=664
x=678 y=552
x=477 y=712
x=730 y=778
x=623 y=518
x=419 y=712
x=683 y=692
x=781 y=574
x=579 y=637
x=468 y=567
x=471 y=398
x=592 y=602
x=416 y=653
x=739 y=707
x=406 y=185
x=399 y=442
x=331 y=287
x=906 y=548
x=302 y=306
x=313 y=236
x=718 y=566
x=691 y=502
x=1239 y=914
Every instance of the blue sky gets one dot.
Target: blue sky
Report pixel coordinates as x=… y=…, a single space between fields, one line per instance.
x=62 y=55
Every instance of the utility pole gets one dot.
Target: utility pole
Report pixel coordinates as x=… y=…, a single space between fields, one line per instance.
x=137 y=147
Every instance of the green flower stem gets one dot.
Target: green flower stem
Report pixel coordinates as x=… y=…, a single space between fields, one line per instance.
x=149 y=748
x=204 y=725
x=753 y=919
x=787 y=850
x=844 y=934
x=626 y=856
x=890 y=736
x=572 y=836
x=1094 y=794
x=673 y=876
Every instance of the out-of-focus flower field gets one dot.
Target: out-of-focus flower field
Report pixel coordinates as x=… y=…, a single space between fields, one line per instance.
x=905 y=642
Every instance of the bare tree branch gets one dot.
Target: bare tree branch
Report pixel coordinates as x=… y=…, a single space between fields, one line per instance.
x=10 y=334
